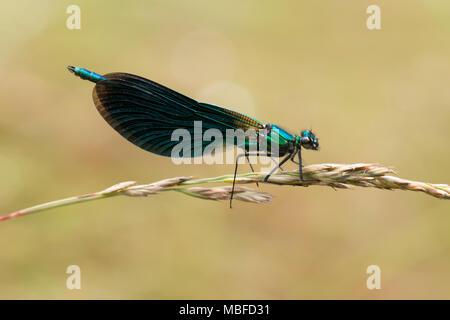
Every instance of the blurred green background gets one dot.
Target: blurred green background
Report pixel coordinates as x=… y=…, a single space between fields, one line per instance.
x=371 y=96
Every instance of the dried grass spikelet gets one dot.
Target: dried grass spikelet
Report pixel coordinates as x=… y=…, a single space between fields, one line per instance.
x=338 y=176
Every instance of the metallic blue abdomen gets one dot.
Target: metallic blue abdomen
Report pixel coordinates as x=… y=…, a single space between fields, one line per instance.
x=86 y=74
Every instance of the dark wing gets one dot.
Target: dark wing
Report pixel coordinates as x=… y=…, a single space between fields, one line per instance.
x=146 y=113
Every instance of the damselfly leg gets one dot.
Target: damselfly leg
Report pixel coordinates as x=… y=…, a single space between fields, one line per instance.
x=300 y=167
x=289 y=156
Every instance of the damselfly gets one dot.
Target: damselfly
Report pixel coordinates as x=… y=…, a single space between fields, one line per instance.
x=147 y=113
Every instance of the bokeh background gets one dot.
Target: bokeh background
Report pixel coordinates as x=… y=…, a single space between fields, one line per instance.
x=371 y=96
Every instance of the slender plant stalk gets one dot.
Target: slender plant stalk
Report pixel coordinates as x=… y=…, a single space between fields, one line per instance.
x=337 y=176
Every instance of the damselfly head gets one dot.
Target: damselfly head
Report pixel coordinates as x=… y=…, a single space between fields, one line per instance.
x=308 y=140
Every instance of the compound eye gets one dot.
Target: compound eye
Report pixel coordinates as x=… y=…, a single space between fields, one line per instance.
x=305 y=140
